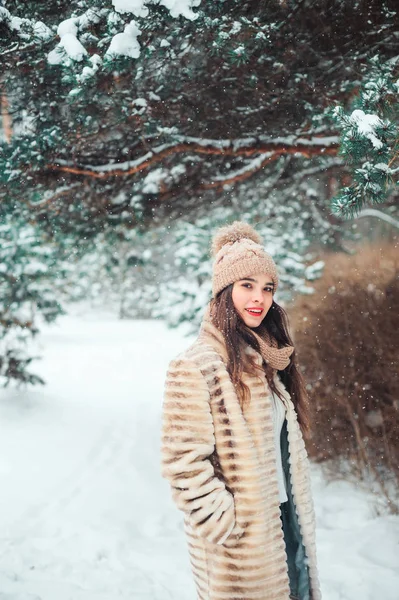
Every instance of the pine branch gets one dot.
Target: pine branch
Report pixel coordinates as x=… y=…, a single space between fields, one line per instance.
x=273 y=149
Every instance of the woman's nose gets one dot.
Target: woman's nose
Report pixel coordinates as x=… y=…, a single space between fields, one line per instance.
x=257 y=296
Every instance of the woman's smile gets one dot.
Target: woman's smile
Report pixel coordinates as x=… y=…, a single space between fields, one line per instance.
x=256 y=312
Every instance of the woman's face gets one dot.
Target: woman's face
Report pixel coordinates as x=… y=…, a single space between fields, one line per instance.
x=252 y=298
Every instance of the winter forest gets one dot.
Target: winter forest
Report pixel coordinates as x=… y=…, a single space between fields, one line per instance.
x=130 y=130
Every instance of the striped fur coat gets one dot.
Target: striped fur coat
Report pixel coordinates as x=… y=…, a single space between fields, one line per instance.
x=220 y=462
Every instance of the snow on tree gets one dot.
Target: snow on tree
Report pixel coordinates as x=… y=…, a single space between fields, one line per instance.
x=119 y=271
x=209 y=94
x=149 y=115
x=369 y=139
x=26 y=291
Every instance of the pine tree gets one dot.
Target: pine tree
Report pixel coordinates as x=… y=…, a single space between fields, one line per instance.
x=26 y=292
x=38 y=273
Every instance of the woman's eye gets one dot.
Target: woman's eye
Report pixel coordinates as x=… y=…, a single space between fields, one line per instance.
x=268 y=289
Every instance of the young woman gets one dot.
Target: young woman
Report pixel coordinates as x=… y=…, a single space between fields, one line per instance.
x=232 y=446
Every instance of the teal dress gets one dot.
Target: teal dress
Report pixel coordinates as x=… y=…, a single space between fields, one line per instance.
x=298 y=571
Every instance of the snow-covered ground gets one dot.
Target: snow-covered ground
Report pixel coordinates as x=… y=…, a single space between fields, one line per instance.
x=84 y=513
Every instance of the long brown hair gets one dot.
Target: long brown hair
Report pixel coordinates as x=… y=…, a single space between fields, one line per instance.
x=237 y=336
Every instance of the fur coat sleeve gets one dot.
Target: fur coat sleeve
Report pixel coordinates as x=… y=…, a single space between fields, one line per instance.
x=188 y=440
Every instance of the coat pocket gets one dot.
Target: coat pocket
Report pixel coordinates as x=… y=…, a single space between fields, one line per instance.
x=214 y=520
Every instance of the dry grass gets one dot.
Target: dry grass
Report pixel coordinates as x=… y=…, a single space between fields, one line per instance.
x=347 y=336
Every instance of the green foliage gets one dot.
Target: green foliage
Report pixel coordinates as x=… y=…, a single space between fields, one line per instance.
x=369 y=140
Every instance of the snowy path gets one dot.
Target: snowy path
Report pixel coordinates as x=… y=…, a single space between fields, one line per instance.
x=84 y=514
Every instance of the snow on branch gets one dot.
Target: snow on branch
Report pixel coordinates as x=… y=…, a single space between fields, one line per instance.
x=252 y=143
x=126 y=43
x=266 y=151
x=123 y=43
x=378 y=214
x=366 y=125
x=70 y=47
x=176 y=8
x=241 y=174
x=26 y=29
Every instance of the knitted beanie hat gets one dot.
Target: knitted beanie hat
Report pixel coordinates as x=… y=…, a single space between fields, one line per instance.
x=238 y=254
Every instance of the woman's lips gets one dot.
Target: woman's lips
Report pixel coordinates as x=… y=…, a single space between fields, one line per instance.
x=255 y=312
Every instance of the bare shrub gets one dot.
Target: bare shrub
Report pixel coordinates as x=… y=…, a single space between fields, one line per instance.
x=347 y=336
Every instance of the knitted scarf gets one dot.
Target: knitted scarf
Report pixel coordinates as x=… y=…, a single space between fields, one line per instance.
x=277 y=358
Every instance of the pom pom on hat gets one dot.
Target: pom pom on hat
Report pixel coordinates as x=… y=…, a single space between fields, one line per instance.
x=233 y=233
